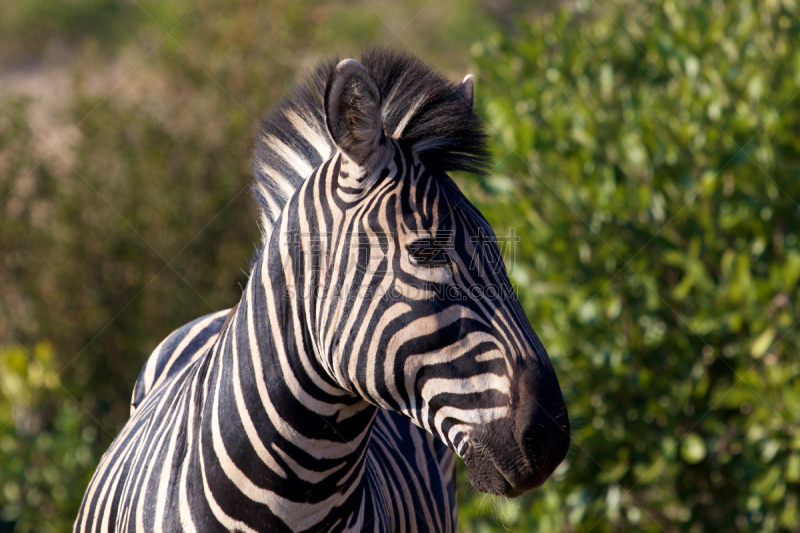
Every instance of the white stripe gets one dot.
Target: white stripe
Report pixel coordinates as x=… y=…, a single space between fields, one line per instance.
x=249 y=428
x=191 y=336
x=303 y=127
x=294 y=159
x=398 y=131
x=285 y=186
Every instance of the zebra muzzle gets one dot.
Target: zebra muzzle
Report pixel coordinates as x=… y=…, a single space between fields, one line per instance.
x=517 y=454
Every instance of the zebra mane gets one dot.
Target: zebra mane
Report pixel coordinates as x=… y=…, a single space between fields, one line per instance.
x=419 y=106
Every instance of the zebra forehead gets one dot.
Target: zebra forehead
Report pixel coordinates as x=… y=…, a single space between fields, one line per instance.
x=420 y=108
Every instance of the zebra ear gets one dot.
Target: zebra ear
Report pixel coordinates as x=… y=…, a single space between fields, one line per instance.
x=353 y=110
x=466 y=89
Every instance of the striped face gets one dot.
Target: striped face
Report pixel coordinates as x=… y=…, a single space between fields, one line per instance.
x=409 y=305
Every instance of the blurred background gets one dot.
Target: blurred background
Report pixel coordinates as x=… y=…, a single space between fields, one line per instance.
x=647 y=155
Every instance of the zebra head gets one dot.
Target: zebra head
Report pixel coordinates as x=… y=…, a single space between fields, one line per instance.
x=402 y=284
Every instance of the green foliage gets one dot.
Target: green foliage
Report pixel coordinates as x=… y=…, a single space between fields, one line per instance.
x=26 y=26
x=124 y=203
x=48 y=443
x=648 y=159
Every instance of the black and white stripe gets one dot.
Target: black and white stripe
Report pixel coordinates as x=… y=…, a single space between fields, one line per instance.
x=375 y=338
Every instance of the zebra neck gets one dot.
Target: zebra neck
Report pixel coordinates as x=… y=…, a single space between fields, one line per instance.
x=286 y=425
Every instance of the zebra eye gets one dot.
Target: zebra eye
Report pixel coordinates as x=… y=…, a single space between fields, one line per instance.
x=429 y=252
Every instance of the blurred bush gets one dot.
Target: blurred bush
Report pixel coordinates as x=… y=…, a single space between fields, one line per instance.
x=648 y=158
x=46 y=443
x=124 y=202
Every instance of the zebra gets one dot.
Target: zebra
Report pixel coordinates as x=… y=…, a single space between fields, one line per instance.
x=374 y=341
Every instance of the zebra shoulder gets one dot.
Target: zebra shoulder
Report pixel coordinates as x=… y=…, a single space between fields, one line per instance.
x=180 y=348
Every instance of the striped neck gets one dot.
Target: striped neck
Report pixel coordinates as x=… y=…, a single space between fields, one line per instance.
x=296 y=431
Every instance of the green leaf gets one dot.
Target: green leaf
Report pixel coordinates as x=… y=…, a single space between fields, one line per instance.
x=762 y=343
x=693 y=448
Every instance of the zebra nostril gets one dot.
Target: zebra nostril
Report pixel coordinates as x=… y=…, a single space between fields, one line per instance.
x=544 y=444
x=533 y=448
x=542 y=427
